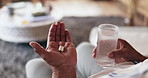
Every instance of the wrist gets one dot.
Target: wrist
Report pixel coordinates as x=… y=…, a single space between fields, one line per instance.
x=61 y=68
x=64 y=71
x=141 y=59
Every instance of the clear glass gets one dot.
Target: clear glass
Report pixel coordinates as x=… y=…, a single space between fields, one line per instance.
x=107 y=41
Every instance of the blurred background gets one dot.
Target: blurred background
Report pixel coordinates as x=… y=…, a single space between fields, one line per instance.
x=18 y=26
x=134 y=10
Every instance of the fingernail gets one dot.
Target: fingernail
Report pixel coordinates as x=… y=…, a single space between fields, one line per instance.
x=56 y=23
x=94 y=55
x=111 y=55
x=61 y=23
x=33 y=45
x=66 y=29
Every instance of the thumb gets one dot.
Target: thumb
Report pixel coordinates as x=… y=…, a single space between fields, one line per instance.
x=37 y=48
x=115 y=54
x=94 y=53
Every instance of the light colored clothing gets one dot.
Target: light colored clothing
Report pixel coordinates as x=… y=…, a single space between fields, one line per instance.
x=38 y=68
x=86 y=65
x=125 y=70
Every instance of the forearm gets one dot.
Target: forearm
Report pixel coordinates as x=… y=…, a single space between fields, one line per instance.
x=64 y=72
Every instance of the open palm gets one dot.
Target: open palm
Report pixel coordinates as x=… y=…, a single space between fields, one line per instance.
x=57 y=36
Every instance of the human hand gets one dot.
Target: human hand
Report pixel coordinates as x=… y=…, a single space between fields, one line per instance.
x=56 y=59
x=124 y=52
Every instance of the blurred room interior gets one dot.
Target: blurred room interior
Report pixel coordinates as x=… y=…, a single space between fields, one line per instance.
x=134 y=11
x=79 y=16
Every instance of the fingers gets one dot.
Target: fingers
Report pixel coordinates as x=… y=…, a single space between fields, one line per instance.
x=68 y=37
x=58 y=31
x=63 y=32
x=38 y=48
x=51 y=34
x=115 y=54
x=120 y=43
x=94 y=52
x=120 y=60
x=118 y=55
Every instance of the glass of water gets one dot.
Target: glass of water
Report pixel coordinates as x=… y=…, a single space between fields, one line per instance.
x=107 y=41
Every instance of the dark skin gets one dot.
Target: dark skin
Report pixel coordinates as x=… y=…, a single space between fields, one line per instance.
x=124 y=52
x=63 y=63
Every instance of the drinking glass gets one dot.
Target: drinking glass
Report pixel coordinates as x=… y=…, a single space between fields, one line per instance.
x=107 y=41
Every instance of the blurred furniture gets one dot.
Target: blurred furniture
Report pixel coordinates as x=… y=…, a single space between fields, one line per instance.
x=142 y=9
x=21 y=26
x=1 y=3
x=5 y=2
x=135 y=8
x=130 y=6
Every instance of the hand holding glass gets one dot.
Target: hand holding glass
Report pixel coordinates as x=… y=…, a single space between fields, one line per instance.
x=107 y=41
